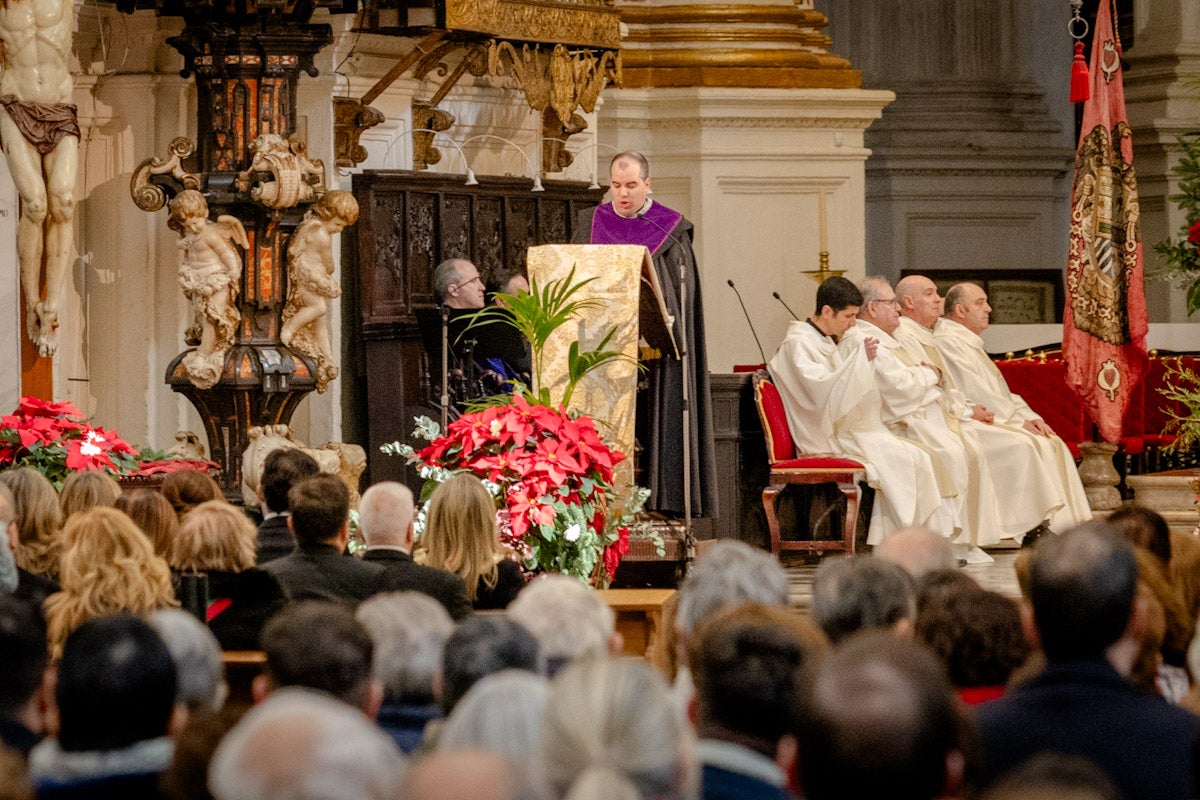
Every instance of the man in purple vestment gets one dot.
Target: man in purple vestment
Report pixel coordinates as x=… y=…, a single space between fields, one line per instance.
x=633 y=218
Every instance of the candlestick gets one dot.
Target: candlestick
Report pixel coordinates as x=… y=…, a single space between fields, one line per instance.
x=824 y=248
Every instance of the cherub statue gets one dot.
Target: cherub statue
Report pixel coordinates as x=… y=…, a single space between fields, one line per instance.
x=209 y=270
x=310 y=280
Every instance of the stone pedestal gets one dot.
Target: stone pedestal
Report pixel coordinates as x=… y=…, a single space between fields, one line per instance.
x=1099 y=476
x=1172 y=494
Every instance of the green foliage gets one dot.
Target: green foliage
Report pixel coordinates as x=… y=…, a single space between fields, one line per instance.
x=1181 y=385
x=537 y=314
x=1182 y=255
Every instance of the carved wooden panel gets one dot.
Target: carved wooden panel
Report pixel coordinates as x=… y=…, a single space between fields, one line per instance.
x=409 y=224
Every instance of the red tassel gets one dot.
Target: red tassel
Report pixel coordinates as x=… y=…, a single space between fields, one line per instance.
x=1081 y=85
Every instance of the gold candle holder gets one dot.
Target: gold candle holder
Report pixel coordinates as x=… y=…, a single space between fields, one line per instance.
x=823 y=272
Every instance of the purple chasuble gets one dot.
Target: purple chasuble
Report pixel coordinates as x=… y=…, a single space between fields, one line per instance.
x=609 y=227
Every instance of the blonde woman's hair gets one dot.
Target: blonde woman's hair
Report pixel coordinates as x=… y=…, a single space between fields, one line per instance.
x=460 y=532
x=88 y=489
x=38 y=517
x=612 y=730
x=214 y=536
x=151 y=512
x=108 y=567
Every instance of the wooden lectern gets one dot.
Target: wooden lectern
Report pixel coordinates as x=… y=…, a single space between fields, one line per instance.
x=629 y=299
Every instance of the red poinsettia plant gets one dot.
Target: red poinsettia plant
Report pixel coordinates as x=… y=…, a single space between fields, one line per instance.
x=552 y=473
x=56 y=439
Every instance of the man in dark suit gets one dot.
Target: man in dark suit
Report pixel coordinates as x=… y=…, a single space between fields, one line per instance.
x=1085 y=612
x=281 y=470
x=320 y=569
x=385 y=517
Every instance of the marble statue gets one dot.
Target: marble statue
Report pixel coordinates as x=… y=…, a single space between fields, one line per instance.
x=347 y=461
x=210 y=268
x=310 y=281
x=40 y=136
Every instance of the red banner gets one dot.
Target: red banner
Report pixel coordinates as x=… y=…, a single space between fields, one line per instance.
x=1104 y=323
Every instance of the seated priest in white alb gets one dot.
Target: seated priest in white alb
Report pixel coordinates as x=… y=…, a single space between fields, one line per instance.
x=833 y=407
x=956 y=336
x=913 y=408
x=1013 y=459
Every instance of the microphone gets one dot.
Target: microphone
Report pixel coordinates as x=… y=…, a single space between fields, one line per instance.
x=748 y=320
x=785 y=305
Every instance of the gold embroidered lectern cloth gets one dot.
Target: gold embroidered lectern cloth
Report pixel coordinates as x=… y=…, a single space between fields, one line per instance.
x=607 y=394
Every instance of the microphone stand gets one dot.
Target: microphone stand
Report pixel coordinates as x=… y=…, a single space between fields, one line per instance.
x=785 y=305
x=445 y=403
x=749 y=321
x=689 y=541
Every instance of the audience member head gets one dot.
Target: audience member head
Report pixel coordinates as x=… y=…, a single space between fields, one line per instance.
x=187 y=488
x=464 y=774
x=320 y=508
x=967 y=305
x=457 y=284
x=1082 y=585
x=855 y=593
x=917 y=550
x=513 y=283
x=1054 y=776
x=10 y=539
x=108 y=566
x=23 y=660
x=731 y=573
x=744 y=663
x=321 y=646
x=409 y=631
x=1144 y=527
x=385 y=515
x=153 y=514
x=214 y=537
x=195 y=743
x=919 y=299
x=838 y=302
x=87 y=489
x=282 y=469
x=879 y=306
x=116 y=685
x=199 y=672
x=14 y=776
x=39 y=519
x=1178 y=622
x=482 y=645
x=933 y=585
x=612 y=730
x=502 y=714
x=302 y=744
x=568 y=619
x=878 y=718
x=460 y=532
x=976 y=633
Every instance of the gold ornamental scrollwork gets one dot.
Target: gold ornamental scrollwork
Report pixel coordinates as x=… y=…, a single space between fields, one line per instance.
x=561 y=79
x=582 y=23
x=145 y=186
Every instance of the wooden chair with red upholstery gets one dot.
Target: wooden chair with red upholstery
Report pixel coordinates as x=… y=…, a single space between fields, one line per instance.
x=790 y=469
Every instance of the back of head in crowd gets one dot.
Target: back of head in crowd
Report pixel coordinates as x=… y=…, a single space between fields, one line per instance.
x=282 y=469
x=87 y=489
x=187 y=488
x=301 y=744
x=23 y=656
x=39 y=518
x=153 y=514
x=838 y=293
x=568 y=619
x=855 y=593
x=1053 y=776
x=320 y=646
x=917 y=550
x=319 y=506
x=744 y=663
x=480 y=646
x=730 y=573
x=977 y=634
x=199 y=671
x=1144 y=527
x=116 y=685
x=214 y=537
x=385 y=514
x=613 y=731
x=878 y=718
x=409 y=630
x=465 y=774
x=1082 y=586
